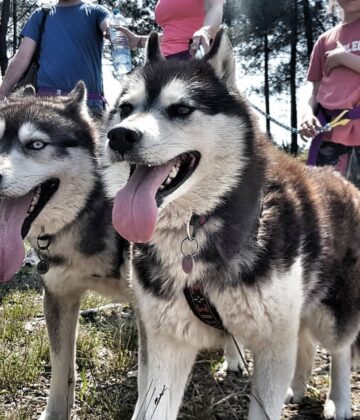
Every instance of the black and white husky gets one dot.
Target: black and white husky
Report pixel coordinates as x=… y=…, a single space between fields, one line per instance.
x=51 y=192
x=277 y=251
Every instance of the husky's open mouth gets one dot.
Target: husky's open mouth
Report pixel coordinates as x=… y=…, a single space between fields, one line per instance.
x=182 y=169
x=136 y=205
x=42 y=195
x=16 y=216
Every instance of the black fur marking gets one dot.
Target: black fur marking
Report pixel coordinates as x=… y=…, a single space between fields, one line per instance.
x=198 y=78
x=122 y=250
x=344 y=305
x=56 y=260
x=312 y=237
x=214 y=46
x=153 y=52
x=7 y=142
x=96 y=221
x=149 y=273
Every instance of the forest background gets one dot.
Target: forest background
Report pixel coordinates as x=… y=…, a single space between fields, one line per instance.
x=273 y=41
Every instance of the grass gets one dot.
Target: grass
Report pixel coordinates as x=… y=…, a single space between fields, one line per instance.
x=106 y=352
x=24 y=349
x=106 y=386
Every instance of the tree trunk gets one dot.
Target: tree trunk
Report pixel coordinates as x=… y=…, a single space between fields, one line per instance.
x=308 y=27
x=266 y=82
x=15 y=26
x=294 y=39
x=5 y=14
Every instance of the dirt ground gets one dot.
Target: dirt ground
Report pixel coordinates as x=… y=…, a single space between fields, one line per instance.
x=205 y=398
x=107 y=363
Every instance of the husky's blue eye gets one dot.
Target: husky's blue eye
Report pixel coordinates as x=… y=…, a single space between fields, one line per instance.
x=179 y=110
x=36 y=145
x=125 y=109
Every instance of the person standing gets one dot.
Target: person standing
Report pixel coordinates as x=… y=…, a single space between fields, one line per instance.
x=334 y=72
x=71 y=50
x=186 y=24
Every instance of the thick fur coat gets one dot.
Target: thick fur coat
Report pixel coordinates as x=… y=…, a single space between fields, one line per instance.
x=52 y=193
x=278 y=255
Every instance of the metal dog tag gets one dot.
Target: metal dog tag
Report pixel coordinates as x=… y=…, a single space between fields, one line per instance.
x=187 y=264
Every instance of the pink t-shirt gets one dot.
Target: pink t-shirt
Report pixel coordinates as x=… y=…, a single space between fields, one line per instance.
x=179 y=20
x=341 y=88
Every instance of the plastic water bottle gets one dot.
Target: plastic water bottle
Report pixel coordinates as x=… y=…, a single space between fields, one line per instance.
x=121 y=53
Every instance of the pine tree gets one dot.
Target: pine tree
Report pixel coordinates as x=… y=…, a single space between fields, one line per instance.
x=281 y=33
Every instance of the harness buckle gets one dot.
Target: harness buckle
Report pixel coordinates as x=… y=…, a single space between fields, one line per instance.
x=339 y=120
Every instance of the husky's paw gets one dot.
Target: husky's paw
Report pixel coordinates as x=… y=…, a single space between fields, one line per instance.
x=293 y=396
x=233 y=365
x=289 y=396
x=337 y=411
x=46 y=415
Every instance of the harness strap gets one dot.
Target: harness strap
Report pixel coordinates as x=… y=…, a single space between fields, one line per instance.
x=337 y=117
x=202 y=307
x=352 y=114
x=45 y=11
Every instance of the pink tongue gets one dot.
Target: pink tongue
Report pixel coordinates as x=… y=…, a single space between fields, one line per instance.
x=135 y=210
x=12 y=215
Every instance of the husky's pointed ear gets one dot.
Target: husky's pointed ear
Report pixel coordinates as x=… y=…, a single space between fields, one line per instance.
x=29 y=90
x=221 y=58
x=152 y=49
x=78 y=96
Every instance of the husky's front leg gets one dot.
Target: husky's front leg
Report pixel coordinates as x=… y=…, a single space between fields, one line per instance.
x=233 y=358
x=273 y=370
x=338 y=401
x=61 y=314
x=304 y=363
x=164 y=366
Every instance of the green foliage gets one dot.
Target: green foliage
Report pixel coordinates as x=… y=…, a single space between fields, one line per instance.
x=248 y=23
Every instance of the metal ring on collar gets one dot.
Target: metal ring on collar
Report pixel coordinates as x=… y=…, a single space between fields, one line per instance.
x=46 y=239
x=196 y=247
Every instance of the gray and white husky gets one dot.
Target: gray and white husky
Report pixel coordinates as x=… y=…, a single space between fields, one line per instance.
x=277 y=252
x=51 y=192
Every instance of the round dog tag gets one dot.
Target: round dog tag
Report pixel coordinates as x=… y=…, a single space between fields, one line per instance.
x=42 y=267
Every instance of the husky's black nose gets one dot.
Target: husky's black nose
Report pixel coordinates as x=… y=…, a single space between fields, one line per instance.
x=123 y=139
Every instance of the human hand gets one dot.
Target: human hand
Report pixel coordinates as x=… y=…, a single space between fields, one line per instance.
x=200 y=37
x=334 y=58
x=308 y=127
x=106 y=33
